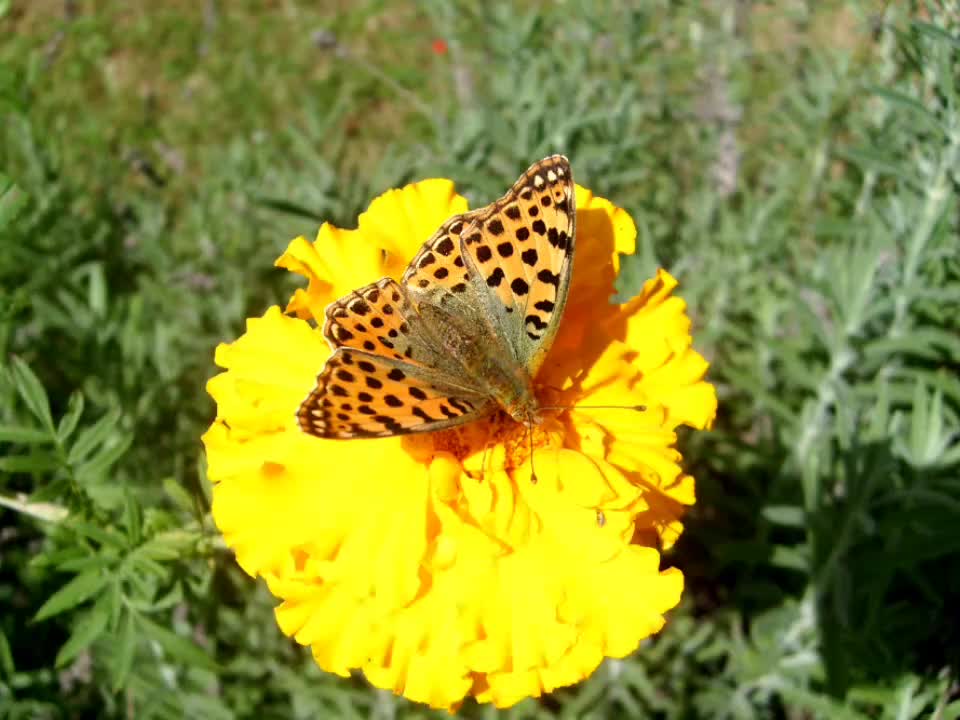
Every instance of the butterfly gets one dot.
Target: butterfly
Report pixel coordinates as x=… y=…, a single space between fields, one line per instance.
x=464 y=331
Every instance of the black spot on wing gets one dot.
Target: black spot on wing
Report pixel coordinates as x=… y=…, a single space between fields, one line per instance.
x=462 y=405
x=447 y=411
x=536 y=322
x=444 y=247
x=422 y=414
x=549 y=277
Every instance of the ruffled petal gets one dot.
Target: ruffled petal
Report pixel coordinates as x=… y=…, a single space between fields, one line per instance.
x=400 y=221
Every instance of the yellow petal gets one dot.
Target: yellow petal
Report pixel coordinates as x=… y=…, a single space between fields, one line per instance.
x=400 y=221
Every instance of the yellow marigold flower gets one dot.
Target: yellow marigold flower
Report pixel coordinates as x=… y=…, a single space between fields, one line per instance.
x=431 y=562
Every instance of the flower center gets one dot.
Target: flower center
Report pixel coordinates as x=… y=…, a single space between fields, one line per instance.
x=495 y=443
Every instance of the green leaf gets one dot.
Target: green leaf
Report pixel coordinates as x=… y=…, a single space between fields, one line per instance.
x=951 y=711
x=937 y=33
x=32 y=392
x=88 y=627
x=820 y=705
x=25 y=435
x=788 y=515
x=132 y=517
x=96 y=290
x=124 y=651
x=12 y=198
x=152 y=603
x=291 y=208
x=179 y=648
x=169 y=545
x=181 y=498
x=7 y=667
x=791 y=558
x=105 y=536
x=929 y=438
x=99 y=463
x=80 y=588
x=68 y=423
x=905 y=102
x=205 y=485
x=29 y=463
x=93 y=436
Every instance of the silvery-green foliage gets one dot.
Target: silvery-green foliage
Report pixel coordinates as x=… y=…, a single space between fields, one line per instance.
x=794 y=164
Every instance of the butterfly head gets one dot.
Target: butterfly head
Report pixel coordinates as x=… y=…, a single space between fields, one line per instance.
x=525 y=413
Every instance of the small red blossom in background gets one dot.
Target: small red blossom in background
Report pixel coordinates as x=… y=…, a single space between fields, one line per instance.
x=439 y=46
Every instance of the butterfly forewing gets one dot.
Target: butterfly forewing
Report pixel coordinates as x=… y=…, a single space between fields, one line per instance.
x=438 y=276
x=379 y=319
x=438 y=267
x=522 y=248
x=359 y=394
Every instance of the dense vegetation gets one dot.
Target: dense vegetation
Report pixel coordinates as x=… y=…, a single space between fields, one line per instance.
x=795 y=164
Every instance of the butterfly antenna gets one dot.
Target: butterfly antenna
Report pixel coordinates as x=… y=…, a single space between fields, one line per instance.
x=533 y=473
x=636 y=408
x=483 y=458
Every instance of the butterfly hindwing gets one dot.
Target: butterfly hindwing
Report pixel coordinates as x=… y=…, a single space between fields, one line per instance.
x=359 y=394
x=522 y=249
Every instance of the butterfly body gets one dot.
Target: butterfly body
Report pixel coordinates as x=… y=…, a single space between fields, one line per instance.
x=465 y=330
x=471 y=344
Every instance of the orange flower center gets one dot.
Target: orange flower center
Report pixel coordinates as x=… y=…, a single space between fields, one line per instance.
x=496 y=434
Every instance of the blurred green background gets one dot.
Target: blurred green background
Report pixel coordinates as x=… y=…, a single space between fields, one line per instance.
x=794 y=164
